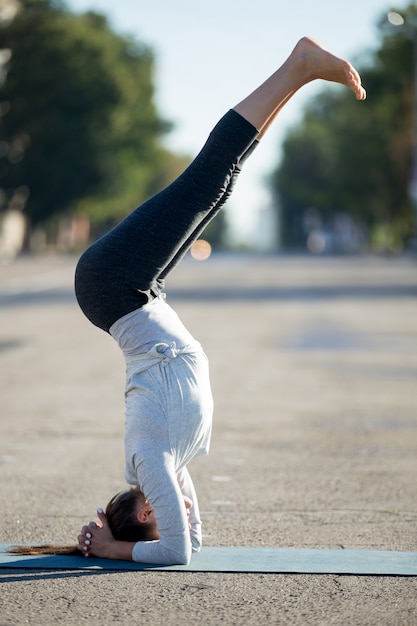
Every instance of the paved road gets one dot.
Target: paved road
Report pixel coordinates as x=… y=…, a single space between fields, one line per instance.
x=314 y=368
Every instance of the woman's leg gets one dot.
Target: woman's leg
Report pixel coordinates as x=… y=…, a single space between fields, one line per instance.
x=126 y=268
x=308 y=61
x=210 y=215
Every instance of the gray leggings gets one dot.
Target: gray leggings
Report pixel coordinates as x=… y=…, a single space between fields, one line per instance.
x=126 y=268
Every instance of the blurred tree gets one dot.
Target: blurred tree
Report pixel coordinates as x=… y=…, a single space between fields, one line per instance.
x=79 y=129
x=354 y=158
x=56 y=105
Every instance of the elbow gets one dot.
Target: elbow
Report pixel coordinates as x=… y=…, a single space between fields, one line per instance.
x=183 y=556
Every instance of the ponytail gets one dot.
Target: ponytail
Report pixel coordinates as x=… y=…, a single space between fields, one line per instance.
x=120 y=513
x=44 y=549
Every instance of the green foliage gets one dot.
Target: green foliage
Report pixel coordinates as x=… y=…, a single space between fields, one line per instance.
x=79 y=128
x=355 y=158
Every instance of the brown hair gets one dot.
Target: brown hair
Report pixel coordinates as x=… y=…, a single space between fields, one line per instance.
x=45 y=549
x=121 y=517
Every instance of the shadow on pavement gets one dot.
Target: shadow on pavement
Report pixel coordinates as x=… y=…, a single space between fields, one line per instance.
x=235 y=294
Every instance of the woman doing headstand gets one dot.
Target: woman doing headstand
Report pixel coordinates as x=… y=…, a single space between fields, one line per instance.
x=119 y=283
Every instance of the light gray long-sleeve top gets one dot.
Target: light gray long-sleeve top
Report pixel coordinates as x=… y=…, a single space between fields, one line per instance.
x=169 y=410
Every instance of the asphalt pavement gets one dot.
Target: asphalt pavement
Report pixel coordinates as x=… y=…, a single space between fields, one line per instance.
x=314 y=370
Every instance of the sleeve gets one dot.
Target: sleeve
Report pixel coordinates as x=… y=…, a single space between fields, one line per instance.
x=158 y=481
x=187 y=488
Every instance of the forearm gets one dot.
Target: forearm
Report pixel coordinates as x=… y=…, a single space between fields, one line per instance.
x=97 y=540
x=118 y=550
x=187 y=488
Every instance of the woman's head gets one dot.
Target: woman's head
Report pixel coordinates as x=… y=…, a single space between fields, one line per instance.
x=130 y=517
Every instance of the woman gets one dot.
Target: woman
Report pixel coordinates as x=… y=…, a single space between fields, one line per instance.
x=119 y=283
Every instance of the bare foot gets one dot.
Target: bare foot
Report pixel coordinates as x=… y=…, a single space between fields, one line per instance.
x=317 y=63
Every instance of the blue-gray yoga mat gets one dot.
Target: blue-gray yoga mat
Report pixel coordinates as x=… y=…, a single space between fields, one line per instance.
x=241 y=559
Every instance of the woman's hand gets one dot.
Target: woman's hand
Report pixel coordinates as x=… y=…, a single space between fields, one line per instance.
x=188 y=506
x=97 y=540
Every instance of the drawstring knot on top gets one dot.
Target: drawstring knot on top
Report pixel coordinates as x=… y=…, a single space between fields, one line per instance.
x=160 y=354
x=168 y=351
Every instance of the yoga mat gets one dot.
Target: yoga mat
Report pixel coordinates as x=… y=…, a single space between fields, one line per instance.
x=244 y=560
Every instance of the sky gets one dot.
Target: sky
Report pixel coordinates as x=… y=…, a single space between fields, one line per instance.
x=210 y=55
